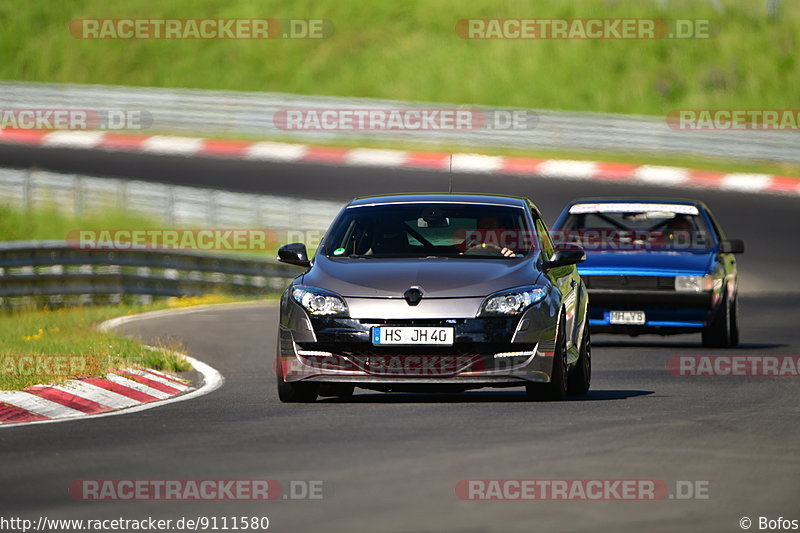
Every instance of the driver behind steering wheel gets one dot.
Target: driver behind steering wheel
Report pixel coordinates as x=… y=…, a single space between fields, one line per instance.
x=486 y=225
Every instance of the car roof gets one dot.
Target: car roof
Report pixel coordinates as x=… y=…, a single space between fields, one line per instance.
x=465 y=198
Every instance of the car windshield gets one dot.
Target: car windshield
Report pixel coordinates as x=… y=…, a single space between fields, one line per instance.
x=635 y=227
x=431 y=230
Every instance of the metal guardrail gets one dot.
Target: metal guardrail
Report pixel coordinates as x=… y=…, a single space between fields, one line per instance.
x=39 y=272
x=172 y=205
x=50 y=272
x=251 y=114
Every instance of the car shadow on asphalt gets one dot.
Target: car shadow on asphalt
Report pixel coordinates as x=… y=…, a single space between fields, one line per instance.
x=510 y=396
x=660 y=343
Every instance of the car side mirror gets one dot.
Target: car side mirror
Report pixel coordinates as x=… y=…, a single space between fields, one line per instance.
x=294 y=254
x=566 y=254
x=731 y=246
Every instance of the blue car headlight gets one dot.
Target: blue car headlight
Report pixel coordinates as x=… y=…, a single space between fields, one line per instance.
x=512 y=301
x=319 y=302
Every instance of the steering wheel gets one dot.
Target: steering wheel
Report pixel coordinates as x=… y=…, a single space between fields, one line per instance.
x=487 y=248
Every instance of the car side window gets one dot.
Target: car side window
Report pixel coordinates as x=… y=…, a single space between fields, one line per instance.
x=715 y=226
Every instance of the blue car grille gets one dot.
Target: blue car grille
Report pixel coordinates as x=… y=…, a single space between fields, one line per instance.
x=621 y=282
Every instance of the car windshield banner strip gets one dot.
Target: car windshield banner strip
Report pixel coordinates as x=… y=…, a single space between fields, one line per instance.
x=628 y=207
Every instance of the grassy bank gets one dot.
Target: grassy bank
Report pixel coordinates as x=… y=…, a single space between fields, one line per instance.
x=52 y=345
x=49 y=222
x=44 y=346
x=410 y=50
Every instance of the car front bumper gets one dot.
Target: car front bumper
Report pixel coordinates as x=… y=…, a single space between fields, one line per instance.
x=666 y=312
x=492 y=351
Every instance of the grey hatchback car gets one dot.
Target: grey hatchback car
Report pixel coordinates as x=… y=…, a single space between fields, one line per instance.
x=434 y=292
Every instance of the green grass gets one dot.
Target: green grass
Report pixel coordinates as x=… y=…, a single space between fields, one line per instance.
x=53 y=345
x=46 y=335
x=48 y=222
x=409 y=50
x=41 y=345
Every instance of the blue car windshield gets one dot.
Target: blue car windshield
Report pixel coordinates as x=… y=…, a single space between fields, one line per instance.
x=431 y=230
x=628 y=227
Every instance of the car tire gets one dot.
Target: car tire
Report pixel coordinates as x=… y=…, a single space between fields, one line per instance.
x=556 y=388
x=297 y=392
x=580 y=378
x=734 y=322
x=718 y=333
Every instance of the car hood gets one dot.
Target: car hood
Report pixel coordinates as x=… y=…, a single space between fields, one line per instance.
x=638 y=262
x=437 y=278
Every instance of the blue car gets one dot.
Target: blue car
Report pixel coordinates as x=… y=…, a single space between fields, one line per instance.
x=659 y=266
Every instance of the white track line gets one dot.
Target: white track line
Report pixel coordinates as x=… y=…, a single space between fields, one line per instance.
x=73 y=139
x=276 y=151
x=561 y=168
x=746 y=182
x=161 y=144
x=477 y=163
x=375 y=158
x=664 y=176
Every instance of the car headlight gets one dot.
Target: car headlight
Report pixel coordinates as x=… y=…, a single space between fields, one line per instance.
x=694 y=283
x=512 y=301
x=319 y=302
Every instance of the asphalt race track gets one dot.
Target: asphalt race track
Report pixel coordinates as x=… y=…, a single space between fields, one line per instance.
x=390 y=463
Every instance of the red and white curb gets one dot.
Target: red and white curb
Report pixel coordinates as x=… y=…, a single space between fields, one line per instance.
x=119 y=392
x=119 y=389
x=665 y=176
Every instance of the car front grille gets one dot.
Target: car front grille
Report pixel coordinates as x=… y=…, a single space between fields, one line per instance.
x=622 y=282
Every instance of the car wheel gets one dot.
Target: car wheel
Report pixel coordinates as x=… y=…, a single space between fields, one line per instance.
x=298 y=392
x=718 y=333
x=581 y=377
x=734 y=322
x=556 y=388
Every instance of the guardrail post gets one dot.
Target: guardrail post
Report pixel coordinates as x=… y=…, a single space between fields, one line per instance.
x=170 y=205
x=78 y=196
x=211 y=214
x=122 y=194
x=772 y=9
x=27 y=190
